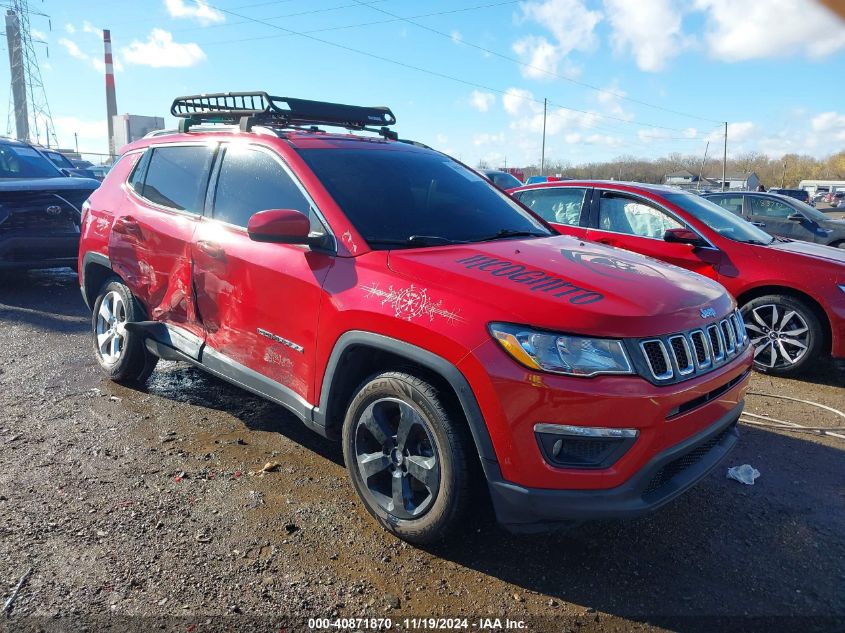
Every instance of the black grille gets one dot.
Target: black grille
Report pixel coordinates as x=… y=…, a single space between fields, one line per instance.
x=727 y=332
x=28 y=211
x=674 y=468
x=715 y=341
x=700 y=347
x=679 y=349
x=656 y=358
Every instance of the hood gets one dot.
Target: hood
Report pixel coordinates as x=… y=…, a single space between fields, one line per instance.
x=565 y=284
x=817 y=251
x=49 y=184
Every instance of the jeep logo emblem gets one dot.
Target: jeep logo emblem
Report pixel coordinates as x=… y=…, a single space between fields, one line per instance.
x=54 y=209
x=707 y=313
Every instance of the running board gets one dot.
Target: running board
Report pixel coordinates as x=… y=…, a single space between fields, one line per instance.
x=182 y=342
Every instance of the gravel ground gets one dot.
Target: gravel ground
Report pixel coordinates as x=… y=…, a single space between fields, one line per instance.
x=139 y=509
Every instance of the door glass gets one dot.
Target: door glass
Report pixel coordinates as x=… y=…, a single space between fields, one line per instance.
x=177 y=176
x=731 y=203
x=561 y=204
x=251 y=181
x=769 y=208
x=621 y=214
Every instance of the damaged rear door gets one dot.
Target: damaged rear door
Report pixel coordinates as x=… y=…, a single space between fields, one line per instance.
x=150 y=240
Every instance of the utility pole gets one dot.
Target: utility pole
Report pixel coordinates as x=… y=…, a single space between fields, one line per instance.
x=725 y=158
x=783 y=175
x=703 y=160
x=18 y=72
x=76 y=141
x=543 y=151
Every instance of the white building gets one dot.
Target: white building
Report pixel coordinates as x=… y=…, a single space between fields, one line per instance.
x=812 y=186
x=131 y=127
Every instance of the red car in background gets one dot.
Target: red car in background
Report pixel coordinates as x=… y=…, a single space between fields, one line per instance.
x=792 y=294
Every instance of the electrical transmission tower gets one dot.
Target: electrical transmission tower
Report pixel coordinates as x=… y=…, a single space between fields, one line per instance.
x=28 y=105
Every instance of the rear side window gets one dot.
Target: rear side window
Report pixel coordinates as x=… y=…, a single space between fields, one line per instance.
x=560 y=205
x=177 y=176
x=251 y=181
x=731 y=203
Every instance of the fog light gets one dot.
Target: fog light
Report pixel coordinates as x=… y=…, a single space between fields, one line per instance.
x=582 y=446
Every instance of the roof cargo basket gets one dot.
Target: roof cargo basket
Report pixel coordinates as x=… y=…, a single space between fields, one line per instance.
x=259 y=108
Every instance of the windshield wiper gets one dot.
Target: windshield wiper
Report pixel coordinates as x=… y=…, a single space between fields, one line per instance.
x=417 y=240
x=508 y=233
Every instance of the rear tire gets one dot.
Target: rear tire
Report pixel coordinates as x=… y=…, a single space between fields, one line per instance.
x=407 y=457
x=121 y=355
x=785 y=332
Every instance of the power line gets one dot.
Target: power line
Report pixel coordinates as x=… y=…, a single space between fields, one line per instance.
x=433 y=73
x=545 y=71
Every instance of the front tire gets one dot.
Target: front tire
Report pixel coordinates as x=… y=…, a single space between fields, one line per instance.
x=120 y=354
x=785 y=332
x=407 y=457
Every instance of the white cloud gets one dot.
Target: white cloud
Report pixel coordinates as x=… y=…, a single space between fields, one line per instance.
x=737 y=132
x=830 y=125
x=456 y=36
x=572 y=26
x=739 y=30
x=70 y=28
x=651 y=29
x=610 y=99
x=93 y=135
x=38 y=35
x=517 y=100
x=95 y=61
x=197 y=10
x=87 y=27
x=482 y=101
x=160 y=51
x=485 y=138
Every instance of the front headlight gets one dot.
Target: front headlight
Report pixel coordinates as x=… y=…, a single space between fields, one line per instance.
x=560 y=353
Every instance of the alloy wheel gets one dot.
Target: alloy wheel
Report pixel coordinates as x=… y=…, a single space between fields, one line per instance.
x=396 y=458
x=780 y=336
x=111 y=327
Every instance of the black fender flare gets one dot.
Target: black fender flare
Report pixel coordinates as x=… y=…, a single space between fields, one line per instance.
x=429 y=360
x=91 y=257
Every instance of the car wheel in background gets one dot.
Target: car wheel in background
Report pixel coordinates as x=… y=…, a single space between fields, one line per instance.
x=407 y=457
x=120 y=354
x=785 y=332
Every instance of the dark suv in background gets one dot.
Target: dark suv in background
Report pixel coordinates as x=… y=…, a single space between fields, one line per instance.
x=799 y=194
x=783 y=216
x=40 y=209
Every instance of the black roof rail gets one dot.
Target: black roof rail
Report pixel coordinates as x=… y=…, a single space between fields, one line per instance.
x=259 y=108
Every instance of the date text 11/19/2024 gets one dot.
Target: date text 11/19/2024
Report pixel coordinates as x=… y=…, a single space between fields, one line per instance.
x=415 y=624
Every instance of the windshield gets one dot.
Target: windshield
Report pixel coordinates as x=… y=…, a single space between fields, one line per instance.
x=59 y=160
x=25 y=162
x=399 y=197
x=720 y=220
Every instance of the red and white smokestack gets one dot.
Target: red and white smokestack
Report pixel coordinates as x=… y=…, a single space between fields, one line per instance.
x=111 y=99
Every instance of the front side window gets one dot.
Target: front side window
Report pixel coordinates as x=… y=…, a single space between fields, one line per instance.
x=769 y=208
x=399 y=196
x=718 y=219
x=250 y=181
x=621 y=214
x=177 y=176
x=561 y=205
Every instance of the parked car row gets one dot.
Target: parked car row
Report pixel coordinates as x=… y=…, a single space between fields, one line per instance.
x=791 y=293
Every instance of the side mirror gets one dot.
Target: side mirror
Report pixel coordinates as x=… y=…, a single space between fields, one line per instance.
x=282 y=226
x=683 y=236
x=65 y=172
x=795 y=217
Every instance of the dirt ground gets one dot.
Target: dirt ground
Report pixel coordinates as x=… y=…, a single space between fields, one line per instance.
x=136 y=509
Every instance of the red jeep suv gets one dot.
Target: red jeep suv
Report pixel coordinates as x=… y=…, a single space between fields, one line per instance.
x=394 y=299
x=792 y=294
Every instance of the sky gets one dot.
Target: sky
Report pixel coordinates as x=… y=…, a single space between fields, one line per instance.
x=469 y=77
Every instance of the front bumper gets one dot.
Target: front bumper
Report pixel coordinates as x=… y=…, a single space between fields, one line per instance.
x=23 y=251
x=665 y=477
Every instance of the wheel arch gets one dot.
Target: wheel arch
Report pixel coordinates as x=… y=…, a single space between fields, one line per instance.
x=815 y=306
x=96 y=268
x=358 y=354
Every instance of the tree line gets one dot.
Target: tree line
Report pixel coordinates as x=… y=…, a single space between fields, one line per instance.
x=786 y=171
